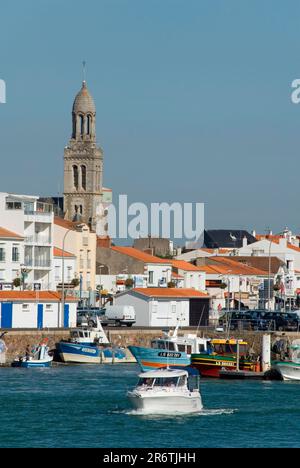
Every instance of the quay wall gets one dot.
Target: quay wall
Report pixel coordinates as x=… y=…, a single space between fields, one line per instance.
x=17 y=340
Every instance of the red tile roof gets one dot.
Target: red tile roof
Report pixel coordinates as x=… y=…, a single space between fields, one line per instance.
x=176 y=275
x=67 y=224
x=33 y=296
x=224 y=265
x=169 y=292
x=218 y=250
x=139 y=255
x=183 y=265
x=6 y=234
x=59 y=253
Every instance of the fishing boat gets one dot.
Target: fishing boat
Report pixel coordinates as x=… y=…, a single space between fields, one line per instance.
x=167 y=391
x=90 y=346
x=224 y=354
x=169 y=351
x=290 y=368
x=39 y=357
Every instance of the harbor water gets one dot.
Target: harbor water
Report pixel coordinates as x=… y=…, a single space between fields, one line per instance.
x=86 y=406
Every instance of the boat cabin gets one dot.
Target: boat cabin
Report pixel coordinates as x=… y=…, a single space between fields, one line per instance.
x=188 y=344
x=169 y=379
x=223 y=346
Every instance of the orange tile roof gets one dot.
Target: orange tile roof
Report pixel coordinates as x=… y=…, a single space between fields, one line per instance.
x=6 y=234
x=170 y=292
x=59 y=253
x=183 y=265
x=33 y=296
x=66 y=224
x=139 y=255
x=219 y=250
x=176 y=275
x=224 y=265
x=276 y=240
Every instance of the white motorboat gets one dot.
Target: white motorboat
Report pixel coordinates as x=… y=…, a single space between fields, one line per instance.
x=290 y=369
x=167 y=391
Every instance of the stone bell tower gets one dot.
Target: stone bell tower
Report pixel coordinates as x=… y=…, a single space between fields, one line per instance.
x=83 y=163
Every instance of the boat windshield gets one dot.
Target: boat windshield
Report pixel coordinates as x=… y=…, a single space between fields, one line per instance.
x=162 y=344
x=166 y=381
x=145 y=382
x=227 y=348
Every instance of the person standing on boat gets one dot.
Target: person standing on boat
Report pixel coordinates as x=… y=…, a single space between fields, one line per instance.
x=27 y=352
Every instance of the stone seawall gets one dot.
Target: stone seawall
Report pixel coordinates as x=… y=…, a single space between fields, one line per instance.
x=17 y=340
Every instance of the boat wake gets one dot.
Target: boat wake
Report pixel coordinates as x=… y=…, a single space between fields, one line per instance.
x=202 y=412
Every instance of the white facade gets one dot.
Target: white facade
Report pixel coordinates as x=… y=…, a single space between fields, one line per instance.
x=37 y=314
x=159 y=274
x=69 y=263
x=11 y=258
x=33 y=220
x=156 y=312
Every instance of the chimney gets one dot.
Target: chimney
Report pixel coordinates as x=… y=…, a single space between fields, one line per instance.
x=283 y=242
x=245 y=241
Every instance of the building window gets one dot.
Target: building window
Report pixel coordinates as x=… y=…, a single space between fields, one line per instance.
x=57 y=273
x=83 y=177
x=15 y=254
x=85 y=239
x=89 y=121
x=13 y=205
x=2 y=254
x=151 y=277
x=2 y=275
x=81 y=123
x=25 y=307
x=173 y=308
x=75 y=176
x=69 y=273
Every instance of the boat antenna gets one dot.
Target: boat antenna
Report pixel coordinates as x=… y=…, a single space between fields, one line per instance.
x=200 y=319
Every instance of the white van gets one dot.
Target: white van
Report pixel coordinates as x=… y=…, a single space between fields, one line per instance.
x=119 y=315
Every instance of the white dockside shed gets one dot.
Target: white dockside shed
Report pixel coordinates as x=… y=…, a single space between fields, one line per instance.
x=36 y=309
x=164 y=307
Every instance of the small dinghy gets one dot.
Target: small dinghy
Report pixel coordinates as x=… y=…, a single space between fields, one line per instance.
x=38 y=357
x=167 y=391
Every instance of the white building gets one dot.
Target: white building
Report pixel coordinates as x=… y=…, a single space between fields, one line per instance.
x=164 y=307
x=158 y=271
x=33 y=220
x=191 y=275
x=67 y=259
x=11 y=257
x=36 y=309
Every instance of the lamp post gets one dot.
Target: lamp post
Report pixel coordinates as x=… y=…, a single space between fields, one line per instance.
x=228 y=289
x=24 y=272
x=100 y=267
x=63 y=270
x=269 y=276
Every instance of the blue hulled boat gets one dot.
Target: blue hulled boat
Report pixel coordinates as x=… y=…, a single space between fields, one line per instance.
x=169 y=351
x=39 y=358
x=89 y=346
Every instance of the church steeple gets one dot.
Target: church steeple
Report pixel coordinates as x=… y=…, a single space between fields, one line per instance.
x=83 y=163
x=84 y=115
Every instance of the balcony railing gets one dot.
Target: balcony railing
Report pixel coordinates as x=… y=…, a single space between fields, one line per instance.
x=37 y=263
x=42 y=240
x=42 y=263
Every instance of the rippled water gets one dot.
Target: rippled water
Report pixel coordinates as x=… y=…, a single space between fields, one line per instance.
x=86 y=406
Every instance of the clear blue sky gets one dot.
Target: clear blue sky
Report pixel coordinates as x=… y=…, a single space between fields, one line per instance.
x=193 y=101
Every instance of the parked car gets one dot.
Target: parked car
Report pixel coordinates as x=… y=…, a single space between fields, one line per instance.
x=111 y=315
x=260 y=319
x=119 y=315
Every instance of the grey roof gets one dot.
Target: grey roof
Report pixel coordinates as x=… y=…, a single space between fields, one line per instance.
x=226 y=238
x=83 y=101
